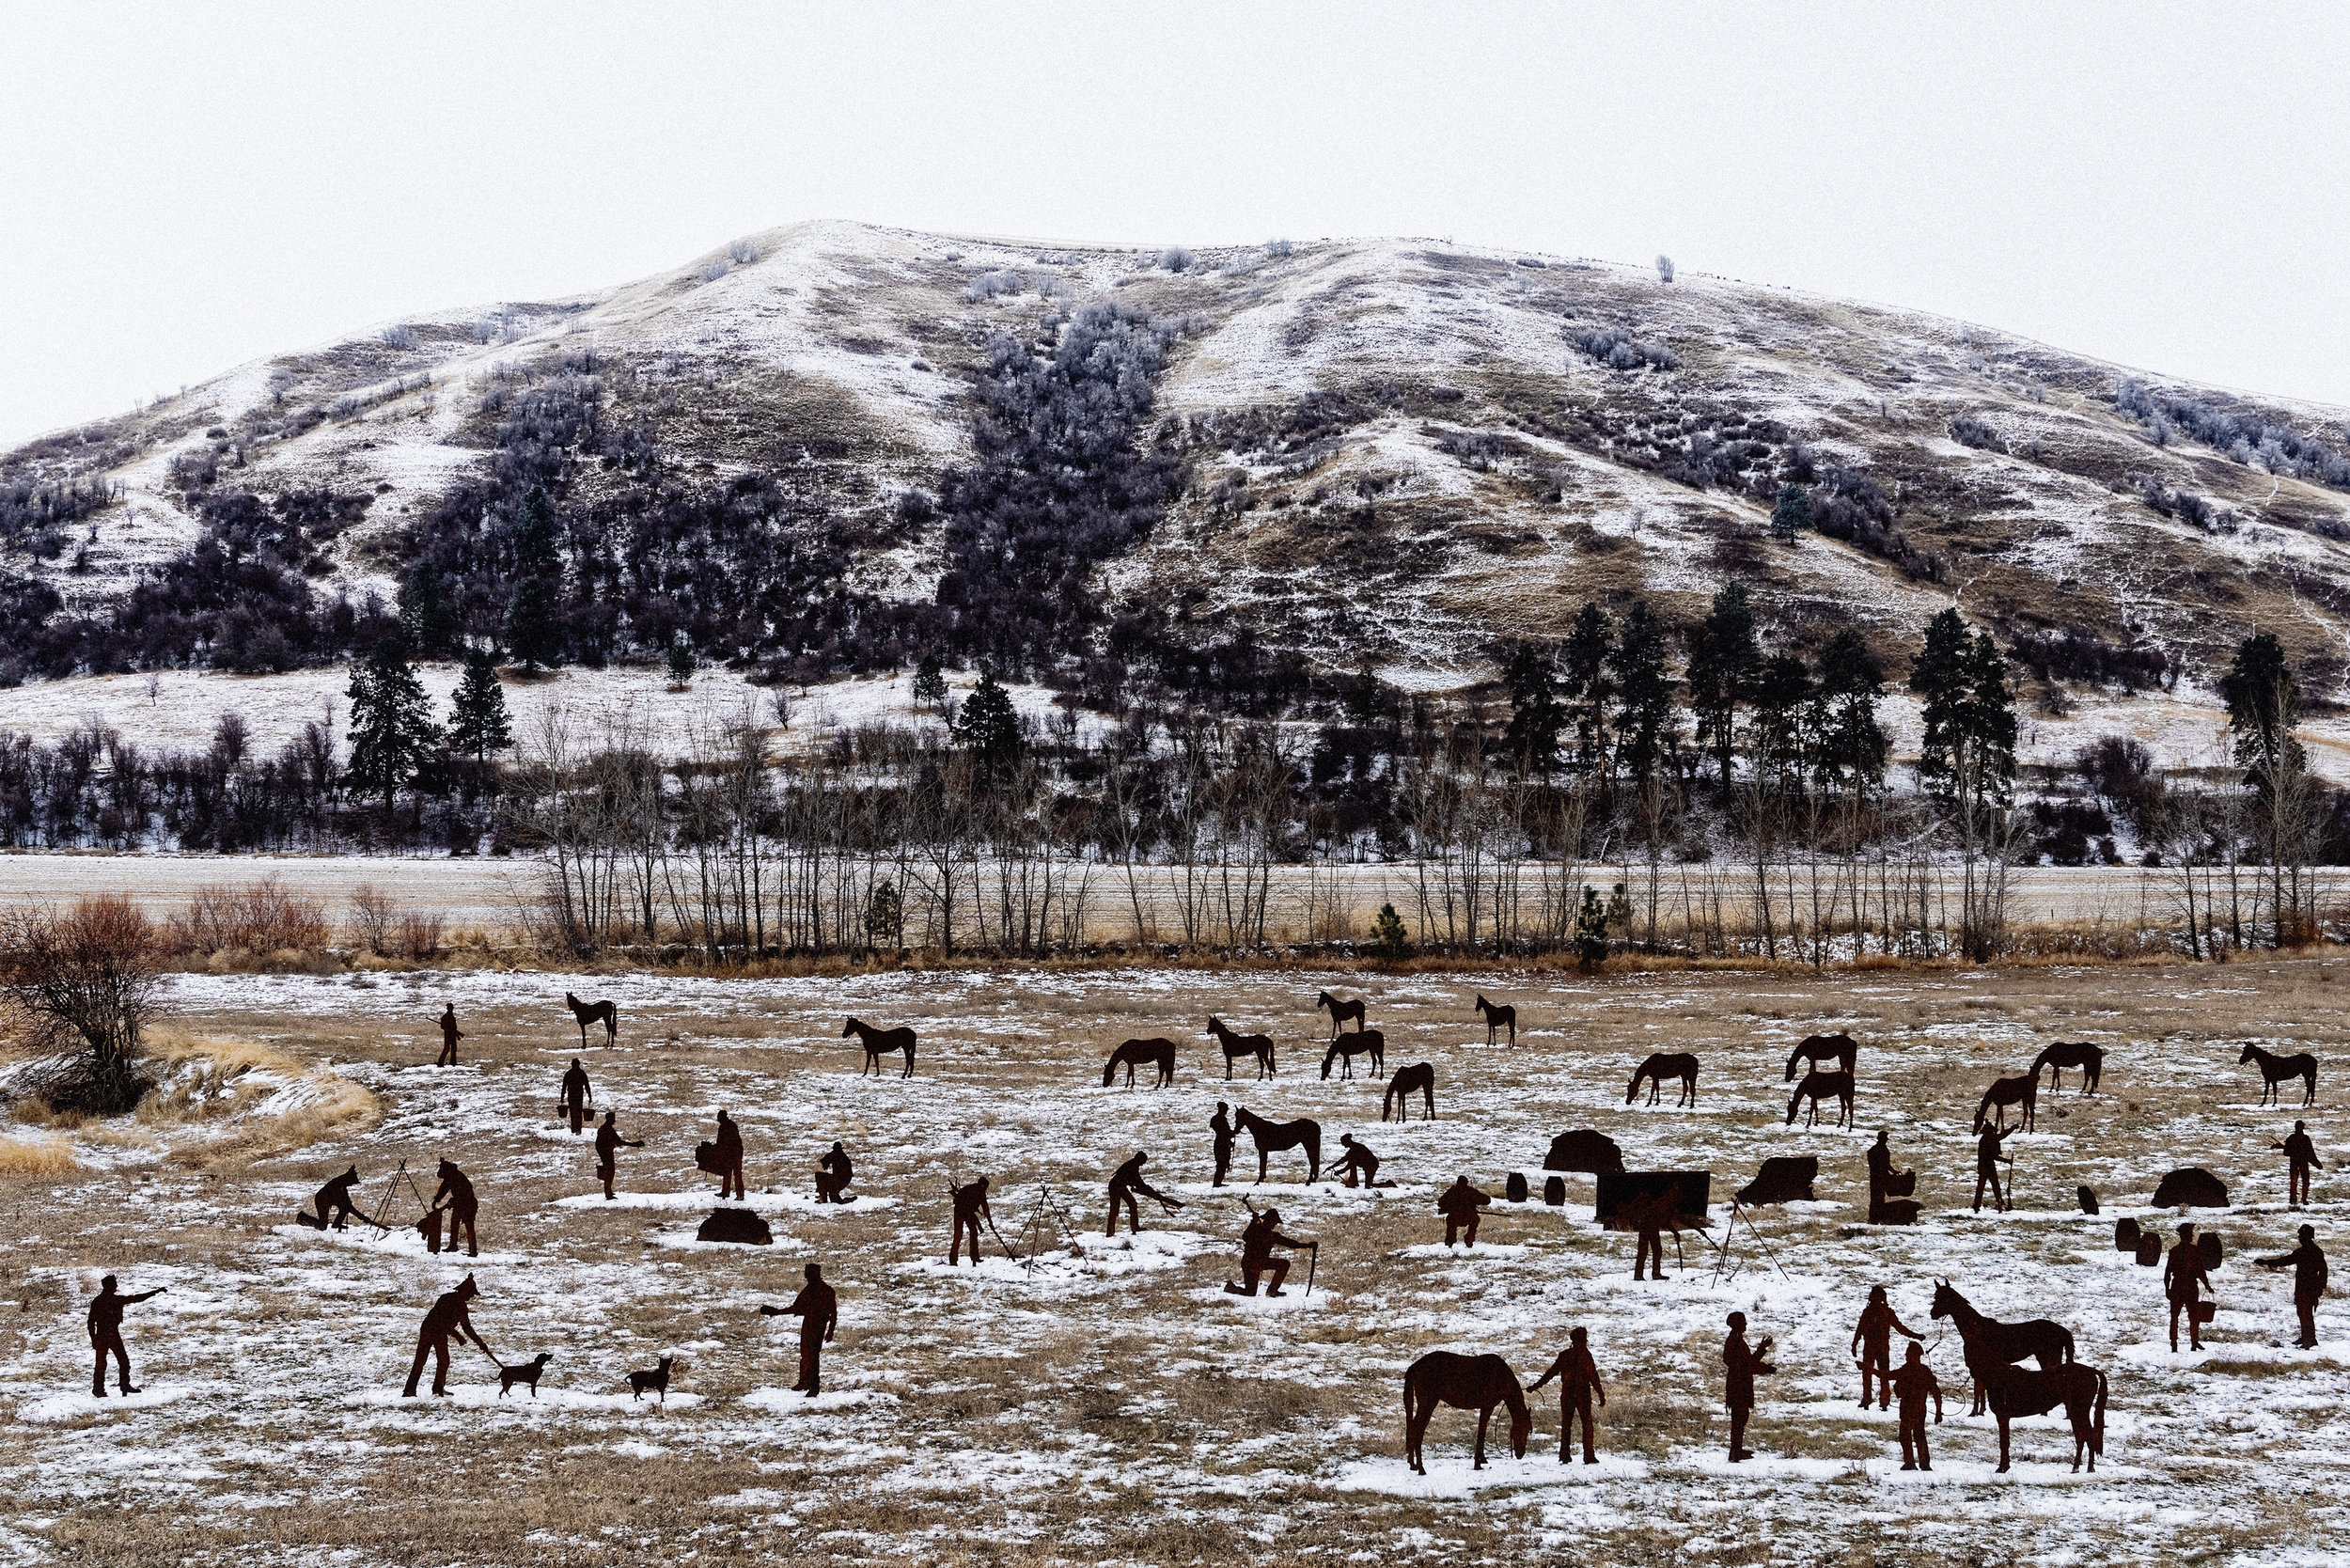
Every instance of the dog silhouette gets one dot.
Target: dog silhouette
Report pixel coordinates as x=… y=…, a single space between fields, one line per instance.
x=653 y=1382
x=526 y=1372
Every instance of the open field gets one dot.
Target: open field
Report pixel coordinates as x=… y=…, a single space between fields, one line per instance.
x=1115 y=1405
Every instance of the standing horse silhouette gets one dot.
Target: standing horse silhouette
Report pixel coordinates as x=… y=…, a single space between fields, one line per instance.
x=1273 y=1137
x=1990 y=1343
x=879 y=1044
x=1817 y=1086
x=1841 y=1049
x=2276 y=1070
x=1340 y=1012
x=1663 y=1065
x=584 y=1014
x=1498 y=1017
x=1421 y=1075
x=1238 y=1045
x=2022 y=1091
x=1466 y=1383
x=2023 y=1391
x=1143 y=1053
x=2089 y=1059
x=1344 y=1049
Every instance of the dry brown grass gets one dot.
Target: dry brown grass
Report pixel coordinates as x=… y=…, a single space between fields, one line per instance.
x=48 y=1155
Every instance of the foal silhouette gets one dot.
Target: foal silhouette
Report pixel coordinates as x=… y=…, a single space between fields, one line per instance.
x=1498 y=1017
x=1466 y=1383
x=584 y=1014
x=1420 y=1076
x=879 y=1044
x=2276 y=1070
x=1663 y=1065
x=1143 y=1053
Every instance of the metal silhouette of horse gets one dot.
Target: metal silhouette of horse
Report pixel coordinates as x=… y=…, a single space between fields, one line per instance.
x=2089 y=1059
x=1498 y=1017
x=1238 y=1045
x=1466 y=1383
x=1663 y=1065
x=1421 y=1075
x=1274 y=1138
x=2023 y=1091
x=879 y=1044
x=1990 y=1343
x=1341 y=1011
x=2276 y=1070
x=1841 y=1049
x=2078 y=1386
x=1817 y=1086
x=584 y=1014
x=1143 y=1053
x=1344 y=1049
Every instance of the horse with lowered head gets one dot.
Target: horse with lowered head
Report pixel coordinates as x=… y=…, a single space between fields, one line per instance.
x=1466 y=1383
x=1143 y=1053
x=1421 y=1075
x=2089 y=1059
x=2022 y=1091
x=1238 y=1045
x=1990 y=1343
x=1344 y=1049
x=879 y=1044
x=1817 y=1086
x=1840 y=1048
x=1663 y=1065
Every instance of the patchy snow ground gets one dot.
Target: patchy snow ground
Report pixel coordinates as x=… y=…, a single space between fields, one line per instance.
x=1105 y=1400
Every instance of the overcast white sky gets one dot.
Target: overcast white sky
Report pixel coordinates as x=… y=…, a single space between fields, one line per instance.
x=188 y=187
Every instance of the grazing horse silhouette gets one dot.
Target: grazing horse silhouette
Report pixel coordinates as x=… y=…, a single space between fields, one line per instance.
x=1498 y=1017
x=2089 y=1059
x=1143 y=1053
x=1421 y=1075
x=1272 y=1138
x=879 y=1044
x=1817 y=1086
x=1340 y=1012
x=1841 y=1049
x=1344 y=1049
x=2022 y=1091
x=1990 y=1343
x=1663 y=1065
x=2022 y=1391
x=584 y=1014
x=1466 y=1383
x=2276 y=1070
x=1237 y=1045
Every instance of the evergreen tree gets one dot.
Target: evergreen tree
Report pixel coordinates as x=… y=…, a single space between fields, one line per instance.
x=1848 y=742
x=2263 y=704
x=1362 y=698
x=1591 y=930
x=929 y=682
x=1644 y=693
x=1723 y=664
x=425 y=615
x=1388 y=931
x=533 y=632
x=1536 y=714
x=1587 y=690
x=990 y=727
x=1775 y=736
x=1969 y=715
x=534 y=542
x=391 y=732
x=1790 y=514
x=478 y=722
x=680 y=660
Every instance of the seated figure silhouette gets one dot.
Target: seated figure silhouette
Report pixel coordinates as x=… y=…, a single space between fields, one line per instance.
x=833 y=1175
x=1462 y=1206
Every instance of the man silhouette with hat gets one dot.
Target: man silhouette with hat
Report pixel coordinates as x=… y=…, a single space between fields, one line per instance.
x=447 y=1317
x=105 y=1334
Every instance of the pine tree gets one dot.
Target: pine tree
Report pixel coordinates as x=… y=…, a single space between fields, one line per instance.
x=478 y=722
x=1388 y=931
x=1969 y=715
x=1591 y=930
x=681 y=661
x=1644 y=691
x=1938 y=674
x=425 y=615
x=1775 y=735
x=1848 y=746
x=929 y=682
x=1792 y=513
x=533 y=539
x=1362 y=698
x=990 y=727
x=1536 y=714
x=2263 y=703
x=1587 y=690
x=391 y=732
x=534 y=633
x=1723 y=663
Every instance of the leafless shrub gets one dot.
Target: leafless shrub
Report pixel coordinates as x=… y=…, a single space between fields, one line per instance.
x=420 y=933
x=369 y=921
x=1665 y=268
x=399 y=336
x=741 y=253
x=1175 y=259
x=1278 y=248
x=82 y=981
x=713 y=271
x=259 y=916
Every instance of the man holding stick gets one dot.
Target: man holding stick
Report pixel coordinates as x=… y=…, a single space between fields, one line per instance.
x=1125 y=1181
x=970 y=1211
x=1256 y=1252
x=448 y=1316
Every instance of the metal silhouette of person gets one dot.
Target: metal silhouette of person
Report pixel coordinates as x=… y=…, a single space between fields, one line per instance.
x=1578 y=1380
x=2300 y=1159
x=971 y=1212
x=447 y=1317
x=1462 y=1206
x=1256 y=1252
x=2186 y=1276
x=450 y=1035
x=1358 y=1160
x=1913 y=1384
x=1741 y=1364
x=819 y=1311
x=1987 y=1161
x=833 y=1175
x=576 y=1096
x=334 y=1204
x=1872 y=1343
x=1221 y=1125
x=608 y=1146
x=2307 y=1263
x=456 y=1195
x=729 y=1157
x=105 y=1334
x=1125 y=1181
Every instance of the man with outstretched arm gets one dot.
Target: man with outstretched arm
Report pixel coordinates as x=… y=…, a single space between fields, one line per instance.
x=1578 y=1380
x=2307 y=1263
x=2300 y=1159
x=819 y=1311
x=105 y=1334
x=1872 y=1343
x=608 y=1146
